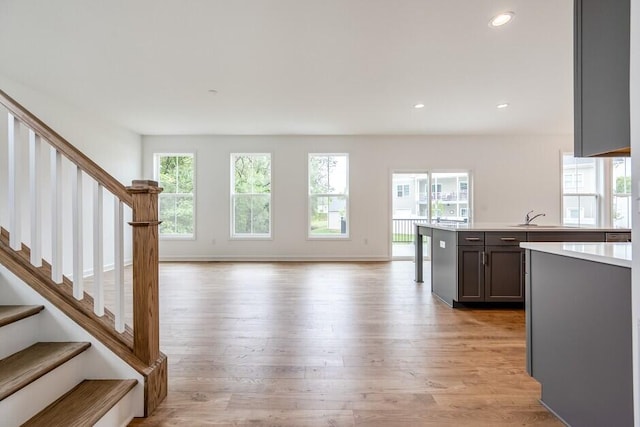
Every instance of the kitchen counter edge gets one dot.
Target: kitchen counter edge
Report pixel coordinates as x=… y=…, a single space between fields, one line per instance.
x=507 y=227
x=606 y=253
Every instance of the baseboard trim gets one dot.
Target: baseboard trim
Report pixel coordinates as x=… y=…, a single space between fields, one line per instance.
x=279 y=258
x=88 y=273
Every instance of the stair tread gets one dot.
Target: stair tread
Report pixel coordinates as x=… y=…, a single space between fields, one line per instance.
x=24 y=367
x=84 y=405
x=13 y=313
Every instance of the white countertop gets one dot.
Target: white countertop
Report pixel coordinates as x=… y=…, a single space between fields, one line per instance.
x=497 y=226
x=607 y=253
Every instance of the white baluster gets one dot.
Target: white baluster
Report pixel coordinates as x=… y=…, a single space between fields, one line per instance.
x=15 y=239
x=98 y=256
x=35 y=195
x=56 y=215
x=119 y=263
x=78 y=262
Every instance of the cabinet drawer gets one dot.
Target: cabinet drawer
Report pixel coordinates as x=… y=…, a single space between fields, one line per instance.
x=468 y=238
x=618 y=237
x=505 y=239
x=566 y=236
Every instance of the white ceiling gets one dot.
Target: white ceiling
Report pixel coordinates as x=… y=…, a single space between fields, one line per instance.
x=298 y=66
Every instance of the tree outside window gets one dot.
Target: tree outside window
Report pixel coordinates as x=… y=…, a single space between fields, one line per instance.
x=175 y=173
x=251 y=195
x=621 y=199
x=328 y=195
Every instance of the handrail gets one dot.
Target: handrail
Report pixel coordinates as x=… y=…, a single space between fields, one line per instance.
x=67 y=149
x=140 y=346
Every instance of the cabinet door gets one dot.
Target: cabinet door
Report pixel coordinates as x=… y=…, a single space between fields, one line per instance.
x=601 y=78
x=470 y=273
x=504 y=274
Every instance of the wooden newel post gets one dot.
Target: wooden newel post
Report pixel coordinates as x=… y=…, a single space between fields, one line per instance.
x=146 y=321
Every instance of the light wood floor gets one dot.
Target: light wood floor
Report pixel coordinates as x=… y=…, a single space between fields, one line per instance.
x=335 y=344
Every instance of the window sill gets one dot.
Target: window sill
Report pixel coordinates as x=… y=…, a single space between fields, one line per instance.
x=250 y=238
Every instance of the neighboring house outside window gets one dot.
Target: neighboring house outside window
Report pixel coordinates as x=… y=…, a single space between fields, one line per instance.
x=403 y=190
x=251 y=195
x=175 y=173
x=328 y=196
x=596 y=191
x=450 y=196
x=580 y=193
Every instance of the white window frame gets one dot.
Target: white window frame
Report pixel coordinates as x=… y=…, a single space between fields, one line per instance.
x=347 y=235
x=598 y=201
x=604 y=194
x=615 y=195
x=599 y=174
x=156 y=177
x=249 y=236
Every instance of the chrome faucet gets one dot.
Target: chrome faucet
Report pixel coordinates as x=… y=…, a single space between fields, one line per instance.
x=528 y=218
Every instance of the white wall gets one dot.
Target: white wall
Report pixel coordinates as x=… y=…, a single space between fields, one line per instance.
x=115 y=149
x=510 y=176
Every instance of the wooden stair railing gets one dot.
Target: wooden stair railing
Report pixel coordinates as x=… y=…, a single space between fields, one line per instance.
x=65 y=148
x=139 y=347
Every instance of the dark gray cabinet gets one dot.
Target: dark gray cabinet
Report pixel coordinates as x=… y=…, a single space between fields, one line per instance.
x=471 y=273
x=579 y=338
x=601 y=77
x=618 y=237
x=504 y=274
x=490 y=267
x=470 y=266
x=566 y=236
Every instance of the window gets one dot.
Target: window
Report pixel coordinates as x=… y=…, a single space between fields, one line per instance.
x=621 y=192
x=574 y=180
x=175 y=173
x=464 y=192
x=450 y=196
x=580 y=195
x=403 y=190
x=329 y=195
x=596 y=192
x=251 y=195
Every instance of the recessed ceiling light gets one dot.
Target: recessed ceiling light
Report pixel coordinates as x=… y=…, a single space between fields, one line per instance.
x=418 y=106
x=503 y=105
x=501 y=19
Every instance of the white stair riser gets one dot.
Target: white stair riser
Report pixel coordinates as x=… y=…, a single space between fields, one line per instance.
x=56 y=326
x=19 y=335
x=24 y=404
x=121 y=414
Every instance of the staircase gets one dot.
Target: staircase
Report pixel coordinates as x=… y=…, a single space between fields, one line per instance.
x=67 y=358
x=54 y=365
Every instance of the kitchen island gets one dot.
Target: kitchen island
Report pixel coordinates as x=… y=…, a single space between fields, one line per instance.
x=483 y=262
x=579 y=330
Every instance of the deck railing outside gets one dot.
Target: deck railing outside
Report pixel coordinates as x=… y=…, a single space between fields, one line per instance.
x=403 y=231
